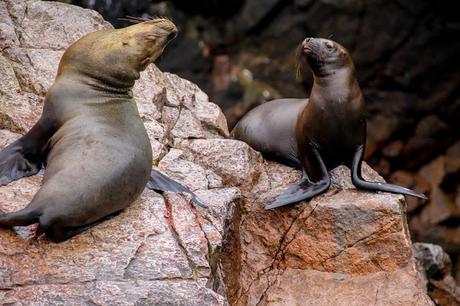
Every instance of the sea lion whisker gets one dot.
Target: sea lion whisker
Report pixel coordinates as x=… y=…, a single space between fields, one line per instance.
x=298 y=62
x=150 y=19
x=298 y=71
x=157 y=18
x=131 y=19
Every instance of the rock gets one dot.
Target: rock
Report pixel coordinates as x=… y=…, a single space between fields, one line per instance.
x=222 y=73
x=187 y=126
x=252 y=14
x=436 y=267
x=341 y=242
x=393 y=149
x=437 y=221
x=159 y=251
x=192 y=175
x=232 y=160
x=302 y=3
x=173 y=292
x=428 y=137
x=379 y=130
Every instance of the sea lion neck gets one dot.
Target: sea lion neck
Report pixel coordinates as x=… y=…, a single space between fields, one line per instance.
x=328 y=76
x=122 y=89
x=337 y=87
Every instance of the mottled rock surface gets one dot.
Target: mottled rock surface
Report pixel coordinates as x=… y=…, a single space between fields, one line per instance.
x=346 y=247
x=436 y=268
x=160 y=250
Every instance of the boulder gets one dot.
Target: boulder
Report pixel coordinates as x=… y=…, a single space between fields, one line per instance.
x=345 y=247
x=436 y=268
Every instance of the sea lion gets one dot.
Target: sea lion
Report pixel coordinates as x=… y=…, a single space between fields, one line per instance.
x=319 y=133
x=90 y=135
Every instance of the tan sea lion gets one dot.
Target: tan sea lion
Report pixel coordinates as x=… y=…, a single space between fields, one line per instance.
x=90 y=135
x=319 y=133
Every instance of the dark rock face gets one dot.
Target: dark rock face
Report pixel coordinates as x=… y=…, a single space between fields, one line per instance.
x=436 y=267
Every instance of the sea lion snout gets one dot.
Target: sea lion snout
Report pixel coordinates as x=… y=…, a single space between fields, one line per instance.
x=323 y=55
x=166 y=25
x=169 y=29
x=305 y=44
x=312 y=45
x=305 y=41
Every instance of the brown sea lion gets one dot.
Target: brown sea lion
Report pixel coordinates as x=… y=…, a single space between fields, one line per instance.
x=90 y=135
x=319 y=133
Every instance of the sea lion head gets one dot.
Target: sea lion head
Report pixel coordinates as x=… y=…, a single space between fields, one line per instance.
x=116 y=57
x=324 y=56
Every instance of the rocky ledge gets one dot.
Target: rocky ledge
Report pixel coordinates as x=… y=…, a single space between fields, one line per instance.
x=346 y=247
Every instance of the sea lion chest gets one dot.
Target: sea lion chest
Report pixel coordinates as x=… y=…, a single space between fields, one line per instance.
x=334 y=126
x=98 y=135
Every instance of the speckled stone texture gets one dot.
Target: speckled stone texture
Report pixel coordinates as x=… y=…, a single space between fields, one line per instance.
x=345 y=247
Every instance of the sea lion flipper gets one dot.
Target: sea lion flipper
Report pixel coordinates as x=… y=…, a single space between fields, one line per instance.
x=302 y=191
x=305 y=189
x=22 y=217
x=161 y=183
x=56 y=232
x=14 y=164
x=25 y=156
x=359 y=182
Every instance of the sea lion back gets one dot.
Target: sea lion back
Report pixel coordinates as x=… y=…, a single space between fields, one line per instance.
x=269 y=129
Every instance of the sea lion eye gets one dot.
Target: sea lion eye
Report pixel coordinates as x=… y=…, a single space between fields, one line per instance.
x=329 y=45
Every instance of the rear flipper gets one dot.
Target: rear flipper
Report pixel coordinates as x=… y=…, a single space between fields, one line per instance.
x=21 y=217
x=161 y=183
x=305 y=189
x=57 y=232
x=359 y=182
x=25 y=156
x=14 y=164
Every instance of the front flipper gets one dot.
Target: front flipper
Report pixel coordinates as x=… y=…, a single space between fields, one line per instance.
x=305 y=189
x=359 y=182
x=161 y=183
x=25 y=156
x=14 y=164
